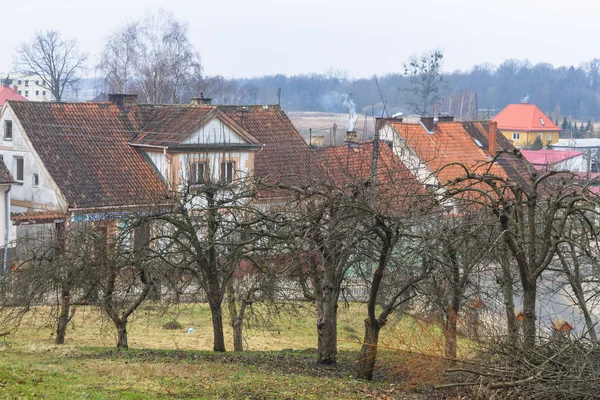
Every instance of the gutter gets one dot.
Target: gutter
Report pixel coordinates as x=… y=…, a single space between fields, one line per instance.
x=7 y=229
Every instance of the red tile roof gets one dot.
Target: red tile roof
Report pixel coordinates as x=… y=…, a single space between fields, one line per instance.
x=85 y=148
x=7 y=93
x=5 y=175
x=524 y=117
x=398 y=189
x=456 y=144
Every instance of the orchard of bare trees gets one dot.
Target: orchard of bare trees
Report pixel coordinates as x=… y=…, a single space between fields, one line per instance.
x=484 y=268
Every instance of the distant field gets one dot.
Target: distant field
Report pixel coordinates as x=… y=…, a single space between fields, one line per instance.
x=163 y=363
x=319 y=121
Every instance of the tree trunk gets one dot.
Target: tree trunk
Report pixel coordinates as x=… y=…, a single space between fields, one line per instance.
x=450 y=333
x=529 y=302
x=368 y=353
x=63 y=316
x=327 y=307
x=217 y=323
x=122 y=338
x=509 y=304
x=236 y=319
x=238 y=342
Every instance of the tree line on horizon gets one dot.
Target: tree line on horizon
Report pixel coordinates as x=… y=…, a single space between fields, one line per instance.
x=154 y=58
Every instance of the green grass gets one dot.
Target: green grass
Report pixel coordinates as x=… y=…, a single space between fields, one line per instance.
x=165 y=363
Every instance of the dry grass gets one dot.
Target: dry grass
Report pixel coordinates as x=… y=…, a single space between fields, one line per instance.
x=174 y=363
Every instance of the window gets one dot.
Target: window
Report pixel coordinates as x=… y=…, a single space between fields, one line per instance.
x=7 y=130
x=18 y=168
x=18 y=91
x=37 y=92
x=26 y=83
x=516 y=136
x=549 y=137
x=227 y=172
x=37 y=82
x=27 y=93
x=43 y=92
x=19 y=82
x=198 y=172
x=36 y=180
x=542 y=121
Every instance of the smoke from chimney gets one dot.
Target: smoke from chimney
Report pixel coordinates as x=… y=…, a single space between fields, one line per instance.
x=349 y=102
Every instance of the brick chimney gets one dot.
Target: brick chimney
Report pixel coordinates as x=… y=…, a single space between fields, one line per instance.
x=201 y=101
x=493 y=134
x=121 y=99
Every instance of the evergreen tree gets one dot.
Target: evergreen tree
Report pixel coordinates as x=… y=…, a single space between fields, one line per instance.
x=565 y=125
x=537 y=144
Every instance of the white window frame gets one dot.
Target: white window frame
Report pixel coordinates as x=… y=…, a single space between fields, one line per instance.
x=516 y=136
x=35 y=180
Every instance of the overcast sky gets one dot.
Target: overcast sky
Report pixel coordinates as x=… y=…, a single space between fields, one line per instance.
x=244 y=38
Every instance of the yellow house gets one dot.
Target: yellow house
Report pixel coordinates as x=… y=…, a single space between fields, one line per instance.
x=524 y=123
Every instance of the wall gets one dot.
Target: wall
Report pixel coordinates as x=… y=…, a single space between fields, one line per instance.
x=528 y=138
x=24 y=196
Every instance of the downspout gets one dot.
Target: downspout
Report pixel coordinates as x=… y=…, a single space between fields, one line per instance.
x=7 y=229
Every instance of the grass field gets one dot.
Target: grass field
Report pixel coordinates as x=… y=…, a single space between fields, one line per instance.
x=279 y=363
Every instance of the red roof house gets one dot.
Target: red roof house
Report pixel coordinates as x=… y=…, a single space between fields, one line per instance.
x=8 y=93
x=524 y=123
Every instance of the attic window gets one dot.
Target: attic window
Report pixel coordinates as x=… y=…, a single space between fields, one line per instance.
x=18 y=168
x=36 y=180
x=542 y=121
x=227 y=172
x=198 y=172
x=8 y=130
x=477 y=142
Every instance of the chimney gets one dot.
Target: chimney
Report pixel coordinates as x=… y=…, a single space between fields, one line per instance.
x=427 y=123
x=15 y=88
x=381 y=121
x=493 y=134
x=445 y=117
x=318 y=141
x=121 y=99
x=201 y=101
x=351 y=137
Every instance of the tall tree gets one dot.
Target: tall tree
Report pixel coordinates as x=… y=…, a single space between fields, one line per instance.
x=57 y=61
x=426 y=81
x=152 y=56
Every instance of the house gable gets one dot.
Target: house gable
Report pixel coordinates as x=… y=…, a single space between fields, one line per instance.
x=27 y=195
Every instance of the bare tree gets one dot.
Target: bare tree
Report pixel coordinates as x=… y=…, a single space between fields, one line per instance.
x=455 y=265
x=533 y=218
x=56 y=61
x=426 y=81
x=152 y=56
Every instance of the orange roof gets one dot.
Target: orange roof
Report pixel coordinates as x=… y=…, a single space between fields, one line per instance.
x=7 y=93
x=524 y=117
x=450 y=144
